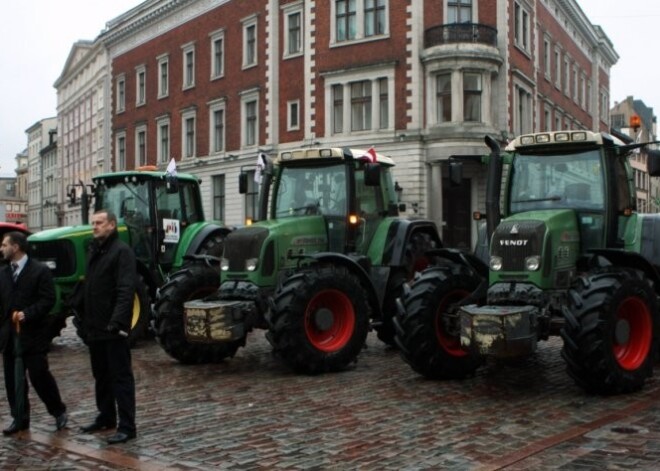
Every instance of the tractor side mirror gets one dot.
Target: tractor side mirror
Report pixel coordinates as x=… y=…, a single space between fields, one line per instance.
x=456 y=173
x=653 y=163
x=242 y=183
x=372 y=174
x=171 y=184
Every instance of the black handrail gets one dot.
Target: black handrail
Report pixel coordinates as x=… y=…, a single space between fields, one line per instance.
x=460 y=33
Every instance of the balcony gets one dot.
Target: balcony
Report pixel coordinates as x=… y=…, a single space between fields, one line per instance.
x=460 y=33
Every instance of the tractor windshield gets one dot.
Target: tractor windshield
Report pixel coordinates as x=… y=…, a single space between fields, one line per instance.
x=311 y=190
x=574 y=181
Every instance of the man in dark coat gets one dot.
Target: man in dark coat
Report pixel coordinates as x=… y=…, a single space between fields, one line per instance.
x=27 y=292
x=109 y=289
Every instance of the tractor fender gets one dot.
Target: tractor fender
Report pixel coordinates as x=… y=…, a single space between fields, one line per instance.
x=398 y=235
x=474 y=263
x=624 y=258
x=353 y=264
x=202 y=234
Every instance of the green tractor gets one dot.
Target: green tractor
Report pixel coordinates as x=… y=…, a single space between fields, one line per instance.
x=159 y=215
x=569 y=256
x=324 y=263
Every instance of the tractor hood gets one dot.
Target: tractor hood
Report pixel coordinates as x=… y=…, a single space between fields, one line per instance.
x=61 y=233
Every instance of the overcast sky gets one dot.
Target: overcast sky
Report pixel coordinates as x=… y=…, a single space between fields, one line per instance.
x=37 y=35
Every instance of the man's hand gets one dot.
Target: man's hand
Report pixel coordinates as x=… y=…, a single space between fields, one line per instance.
x=18 y=316
x=114 y=329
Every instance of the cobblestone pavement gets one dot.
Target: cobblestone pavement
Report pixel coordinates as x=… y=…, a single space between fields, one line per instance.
x=252 y=413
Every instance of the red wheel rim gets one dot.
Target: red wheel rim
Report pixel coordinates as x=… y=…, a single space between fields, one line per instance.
x=450 y=344
x=632 y=354
x=343 y=320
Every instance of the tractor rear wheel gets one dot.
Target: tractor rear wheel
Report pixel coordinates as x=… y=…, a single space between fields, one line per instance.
x=198 y=278
x=428 y=329
x=141 y=312
x=610 y=331
x=320 y=319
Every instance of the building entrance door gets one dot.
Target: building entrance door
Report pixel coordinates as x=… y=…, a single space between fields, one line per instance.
x=456 y=211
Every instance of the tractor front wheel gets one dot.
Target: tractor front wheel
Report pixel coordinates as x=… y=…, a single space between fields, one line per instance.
x=610 y=331
x=197 y=279
x=320 y=319
x=427 y=327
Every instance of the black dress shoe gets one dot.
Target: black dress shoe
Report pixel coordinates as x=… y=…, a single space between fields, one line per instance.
x=120 y=437
x=96 y=427
x=15 y=428
x=61 y=421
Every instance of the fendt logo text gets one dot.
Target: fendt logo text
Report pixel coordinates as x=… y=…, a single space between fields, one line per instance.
x=513 y=243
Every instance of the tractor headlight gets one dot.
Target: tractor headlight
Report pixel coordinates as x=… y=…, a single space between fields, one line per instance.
x=251 y=264
x=224 y=264
x=532 y=263
x=495 y=263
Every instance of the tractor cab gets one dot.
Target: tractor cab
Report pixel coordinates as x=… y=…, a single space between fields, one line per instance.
x=154 y=210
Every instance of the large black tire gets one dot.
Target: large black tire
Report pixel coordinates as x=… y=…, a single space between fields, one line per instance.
x=421 y=334
x=319 y=319
x=610 y=332
x=416 y=261
x=197 y=279
x=141 y=314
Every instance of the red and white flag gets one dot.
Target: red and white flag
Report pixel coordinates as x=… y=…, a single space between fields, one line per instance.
x=370 y=155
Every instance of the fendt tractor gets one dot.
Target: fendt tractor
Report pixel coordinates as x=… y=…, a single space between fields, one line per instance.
x=324 y=263
x=159 y=215
x=569 y=256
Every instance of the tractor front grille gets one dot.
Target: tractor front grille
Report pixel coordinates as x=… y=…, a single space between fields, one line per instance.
x=58 y=255
x=244 y=244
x=514 y=241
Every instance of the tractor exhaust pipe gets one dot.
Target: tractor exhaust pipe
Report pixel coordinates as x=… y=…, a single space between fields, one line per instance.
x=493 y=187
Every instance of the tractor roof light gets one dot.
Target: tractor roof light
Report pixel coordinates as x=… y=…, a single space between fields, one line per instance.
x=579 y=136
x=353 y=219
x=542 y=138
x=562 y=137
x=527 y=140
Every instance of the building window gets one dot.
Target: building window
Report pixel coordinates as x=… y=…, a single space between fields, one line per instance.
x=384 y=104
x=588 y=105
x=120 y=153
x=163 y=76
x=375 y=16
x=121 y=94
x=163 y=127
x=546 y=58
x=583 y=92
x=188 y=66
x=217 y=121
x=251 y=197
x=250 y=118
x=472 y=97
x=361 y=105
x=217 y=55
x=558 y=69
x=523 y=111
x=188 y=132
x=140 y=85
x=293 y=115
x=293 y=37
x=337 y=109
x=565 y=80
x=250 y=42
x=141 y=146
x=575 y=83
x=459 y=11
x=443 y=98
x=346 y=20
x=521 y=27
x=219 y=197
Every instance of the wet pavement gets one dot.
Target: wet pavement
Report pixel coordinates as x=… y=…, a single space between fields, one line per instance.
x=251 y=412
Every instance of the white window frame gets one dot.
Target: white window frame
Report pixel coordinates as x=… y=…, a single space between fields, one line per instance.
x=163 y=84
x=360 y=35
x=186 y=115
x=140 y=160
x=522 y=30
x=547 y=56
x=293 y=115
x=557 y=57
x=576 y=95
x=216 y=36
x=481 y=96
x=163 y=157
x=247 y=97
x=120 y=151
x=188 y=78
x=140 y=85
x=583 y=89
x=566 y=79
x=345 y=80
x=249 y=23
x=474 y=13
x=121 y=93
x=289 y=11
x=217 y=105
x=523 y=124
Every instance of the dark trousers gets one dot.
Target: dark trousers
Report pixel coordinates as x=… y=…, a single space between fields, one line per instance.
x=42 y=381
x=114 y=383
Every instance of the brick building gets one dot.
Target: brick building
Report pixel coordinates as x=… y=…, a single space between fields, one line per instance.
x=213 y=82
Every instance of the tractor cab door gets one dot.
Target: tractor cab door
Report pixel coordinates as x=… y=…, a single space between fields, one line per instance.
x=369 y=208
x=174 y=213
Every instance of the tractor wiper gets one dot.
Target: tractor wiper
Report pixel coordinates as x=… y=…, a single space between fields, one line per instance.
x=532 y=200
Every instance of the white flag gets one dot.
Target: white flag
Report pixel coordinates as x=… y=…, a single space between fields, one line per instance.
x=171 y=167
x=261 y=166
